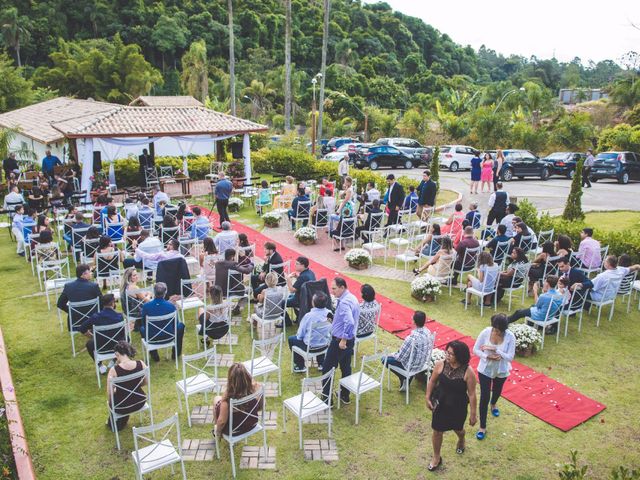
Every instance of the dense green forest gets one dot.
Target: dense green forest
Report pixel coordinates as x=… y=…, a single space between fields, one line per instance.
x=405 y=75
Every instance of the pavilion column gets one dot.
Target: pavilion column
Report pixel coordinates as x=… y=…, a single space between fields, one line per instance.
x=87 y=167
x=246 y=155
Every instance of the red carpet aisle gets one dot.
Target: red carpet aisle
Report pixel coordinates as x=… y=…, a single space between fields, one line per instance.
x=534 y=392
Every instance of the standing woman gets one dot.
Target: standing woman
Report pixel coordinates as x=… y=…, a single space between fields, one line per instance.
x=487 y=172
x=497 y=169
x=495 y=346
x=476 y=173
x=451 y=388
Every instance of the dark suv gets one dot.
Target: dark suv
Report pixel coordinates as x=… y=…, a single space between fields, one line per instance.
x=384 y=156
x=563 y=163
x=523 y=163
x=409 y=146
x=622 y=166
x=335 y=143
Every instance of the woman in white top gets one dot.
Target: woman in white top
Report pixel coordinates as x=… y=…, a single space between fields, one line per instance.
x=487 y=279
x=496 y=347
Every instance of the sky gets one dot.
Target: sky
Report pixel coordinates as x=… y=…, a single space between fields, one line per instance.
x=565 y=28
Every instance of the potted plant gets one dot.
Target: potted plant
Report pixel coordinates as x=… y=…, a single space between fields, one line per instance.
x=271 y=219
x=306 y=235
x=235 y=204
x=436 y=356
x=425 y=288
x=527 y=339
x=358 y=258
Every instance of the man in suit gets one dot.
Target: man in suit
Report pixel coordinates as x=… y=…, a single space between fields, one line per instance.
x=427 y=191
x=395 y=199
x=79 y=290
x=146 y=161
x=368 y=226
x=576 y=279
x=272 y=258
x=222 y=274
x=158 y=333
x=223 y=192
x=107 y=316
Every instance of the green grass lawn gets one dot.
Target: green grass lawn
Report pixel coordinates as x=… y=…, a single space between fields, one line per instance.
x=616 y=221
x=64 y=411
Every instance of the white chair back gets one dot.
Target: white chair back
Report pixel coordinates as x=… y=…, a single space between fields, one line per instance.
x=158 y=453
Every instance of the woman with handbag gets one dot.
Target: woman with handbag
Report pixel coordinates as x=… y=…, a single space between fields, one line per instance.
x=451 y=389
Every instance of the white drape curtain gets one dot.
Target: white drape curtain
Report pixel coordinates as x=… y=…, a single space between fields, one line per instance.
x=246 y=155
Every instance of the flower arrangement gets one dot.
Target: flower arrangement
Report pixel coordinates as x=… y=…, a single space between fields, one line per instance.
x=527 y=338
x=436 y=356
x=358 y=258
x=425 y=288
x=235 y=204
x=271 y=219
x=306 y=235
x=100 y=180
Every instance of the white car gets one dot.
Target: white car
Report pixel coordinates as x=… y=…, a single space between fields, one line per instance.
x=457 y=157
x=336 y=155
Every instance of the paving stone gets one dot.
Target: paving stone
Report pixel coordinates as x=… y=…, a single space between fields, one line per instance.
x=271 y=389
x=201 y=415
x=317 y=418
x=256 y=458
x=225 y=341
x=198 y=450
x=324 y=450
x=271 y=420
x=224 y=360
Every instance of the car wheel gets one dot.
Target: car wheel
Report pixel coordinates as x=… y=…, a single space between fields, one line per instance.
x=373 y=165
x=544 y=176
x=408 y=164
x=571 y=174
x=624 y=178
x=453 y=167
x=507 y=175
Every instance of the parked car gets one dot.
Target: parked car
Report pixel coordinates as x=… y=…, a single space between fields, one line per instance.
x=342 y=150
x=523 y=163
x=335 y=143
x=623 y=166
x=457 y=157
x=563 y=163
x=409 y=146
x=384 y=156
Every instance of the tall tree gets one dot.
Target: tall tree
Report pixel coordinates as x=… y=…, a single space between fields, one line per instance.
x=168 y=35
x=287 y=66
x=232 y=60
x=15 y=90
x=15 y=31
x=323 y=68
x=195 y=71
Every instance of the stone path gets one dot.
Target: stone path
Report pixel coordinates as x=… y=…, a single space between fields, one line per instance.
x=224 y=360
x=203 y=415
x=198 y=450
x=325 y=450
x=257 y=458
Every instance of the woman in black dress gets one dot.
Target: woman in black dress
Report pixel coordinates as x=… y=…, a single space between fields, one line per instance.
x=451 y=388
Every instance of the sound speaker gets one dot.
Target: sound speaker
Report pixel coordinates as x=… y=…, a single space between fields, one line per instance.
x=97 y=161
x=236 y=150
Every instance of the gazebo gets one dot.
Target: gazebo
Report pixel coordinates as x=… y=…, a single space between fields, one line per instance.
x=131 y=126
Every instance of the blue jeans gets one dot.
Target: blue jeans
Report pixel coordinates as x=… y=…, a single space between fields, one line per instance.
x=299 y=360
x=334 y=357
x=391 y=360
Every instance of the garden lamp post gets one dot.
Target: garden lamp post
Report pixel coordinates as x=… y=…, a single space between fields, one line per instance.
x=521 y=89
x=314 y=81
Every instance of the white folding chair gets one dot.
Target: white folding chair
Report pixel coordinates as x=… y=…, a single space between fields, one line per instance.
x=151 y=177
x=215 y=315
x=203 y=377
x=608 y=297
x=266 y=358
x=116 y=231
x=165 y=332
x=273 y=310
x=552 y=317
x=308 y=353
x=321 y=220
x=574 y=306
x=286 y=270
x=105 y=338
x=157 y=454
x=346 y=232
x=132 y=397
x=301 y=214
x=193 y=295
x=237 y=290
x=376 y=242
x=526 y=243
x=469 y=262
x=544 y=236
x=78 y=313
x=416 y=358
x=308 y=403
x=166 y=174
x=373 y=335
x=241 y=410
x=367 y=379
x=190 y=249
x=106 y=263
x=519 y=281
x=501 y=252
x=169 y=233
x=576 y=261
x=626 y=288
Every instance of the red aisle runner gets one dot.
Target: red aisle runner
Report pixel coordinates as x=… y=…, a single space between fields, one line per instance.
x=541 y=396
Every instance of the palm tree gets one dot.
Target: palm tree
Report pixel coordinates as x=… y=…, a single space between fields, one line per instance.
x=232 y=60
x=195 y=71
x=323 y=68
x=14 y=31
x=259 y=95
x=287 y=66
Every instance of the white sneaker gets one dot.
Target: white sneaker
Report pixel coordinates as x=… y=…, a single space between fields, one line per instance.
x=103 y=370
x=403 y=387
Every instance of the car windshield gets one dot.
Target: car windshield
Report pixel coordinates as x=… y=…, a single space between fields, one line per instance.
x=609 y=157
x=558 y=156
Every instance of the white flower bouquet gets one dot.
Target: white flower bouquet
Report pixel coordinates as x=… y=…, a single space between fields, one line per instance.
x=436 y=356
x=235 y=204
x=306 y=235
x=271 y=219
x=358 y=258
x=425 y=286
x=527 y=338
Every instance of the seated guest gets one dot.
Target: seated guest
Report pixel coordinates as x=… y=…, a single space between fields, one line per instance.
x=112 y=215
x=160 y=199
x=501 y=237
x=610 y=277
x=411 y=200
x=147 y=244
x=160 y=333
x=80 y=290
x=538 y=311
x=107 y=316
x=263 y=199
x=299 y=212
x=41 y=225
x=430 y=245
x=325 y=186
x=576 y=277
x=272 y=290
x=17 y=226
x=453 y=225
x=507 y=220
x=200 y=226
x=563 y=246
x=314 y=331
x=369 y=311
x=295 y=281
x=518 y=260
x=589 y=250
x=145 y=213
x=239 y=385
x=319 y=221
x=13 y=198
x=488 y=273
x=217 y=324
x=346 y=207
x=539 y=263
x=372 y=192
x=271 y=258
x=519 y=240
x=245 y=251
x=415 y=350
x=441 y=263
x=130 y=209
x=329 y=201
x=227 y=238
x=367 y=226
x=105 y=262
x=473 y=216
x=130 y=289
x=222 y=268
x=129 y=398
x=172 y=251
x=467 y=241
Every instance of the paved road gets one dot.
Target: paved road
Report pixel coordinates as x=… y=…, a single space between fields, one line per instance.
x=548 y=196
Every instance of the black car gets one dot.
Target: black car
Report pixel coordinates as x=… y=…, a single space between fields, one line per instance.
x=563 y=163
x=622 y=166
x=384 y=156
x=411 y=147
x=523 y=163
x=335 y=143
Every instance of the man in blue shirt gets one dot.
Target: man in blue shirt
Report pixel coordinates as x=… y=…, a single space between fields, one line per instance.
x=200 y=226
x=538 y=312
x=156 y=308
x=501 y=237
x=17 y=225
x=48 y=162
x=295 y=280
x=108 y=338
x=301 y=212
x=343 y=330
x=223 y=192
x=314 y=331
x=411 y=200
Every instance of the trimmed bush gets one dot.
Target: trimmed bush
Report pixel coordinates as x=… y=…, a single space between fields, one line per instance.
x=127 y=168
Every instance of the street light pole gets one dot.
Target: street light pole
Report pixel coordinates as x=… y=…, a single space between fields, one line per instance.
x=314 y=81
x=521 y=89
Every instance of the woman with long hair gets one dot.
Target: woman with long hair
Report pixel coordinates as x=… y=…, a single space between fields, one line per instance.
x=215 y=316
x=429 y=245
x=487 y=172
x=239 y=385
x=441 y=263
x=488 y=273
x=129 y=288
x=497 y=169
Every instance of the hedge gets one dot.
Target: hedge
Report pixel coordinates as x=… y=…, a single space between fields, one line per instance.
x=127 y=168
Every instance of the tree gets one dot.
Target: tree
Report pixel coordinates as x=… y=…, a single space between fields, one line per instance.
x=573 y=208
x=287 y=66
x=15 y=31
x=232 y=59
x=168 y=35
x=323 y=66
x=15 y=90
x=620 y=137
x=195 y=71
x=259 y=94
x=573 y=131
x=435 y=167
